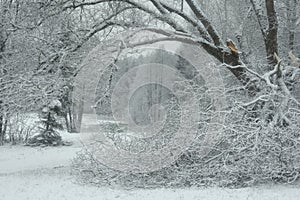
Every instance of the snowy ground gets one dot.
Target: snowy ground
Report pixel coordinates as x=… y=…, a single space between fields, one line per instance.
x=44 y=174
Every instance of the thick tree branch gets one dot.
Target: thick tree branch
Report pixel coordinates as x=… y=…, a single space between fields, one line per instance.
x=259 y=18
x=201 y=29
x=159 y=7
x=207 y=24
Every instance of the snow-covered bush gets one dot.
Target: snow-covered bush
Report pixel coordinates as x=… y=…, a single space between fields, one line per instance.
x=21 y=126
x=248 y=153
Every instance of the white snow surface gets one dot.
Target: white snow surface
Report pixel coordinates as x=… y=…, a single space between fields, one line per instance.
x=28 y=173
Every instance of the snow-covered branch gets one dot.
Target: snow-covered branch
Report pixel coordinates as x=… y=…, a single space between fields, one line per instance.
x=207 y=24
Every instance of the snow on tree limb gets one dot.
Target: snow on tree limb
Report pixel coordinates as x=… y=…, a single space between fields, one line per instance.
x=207 y=24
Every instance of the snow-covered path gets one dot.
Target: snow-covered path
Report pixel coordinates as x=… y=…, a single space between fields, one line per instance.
x=44 y=174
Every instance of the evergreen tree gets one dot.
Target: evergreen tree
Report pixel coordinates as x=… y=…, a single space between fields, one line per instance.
x=49 y=115
x=49 y=124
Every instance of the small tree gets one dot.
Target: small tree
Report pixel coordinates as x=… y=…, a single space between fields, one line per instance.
x=49 y=124
x=49 y=115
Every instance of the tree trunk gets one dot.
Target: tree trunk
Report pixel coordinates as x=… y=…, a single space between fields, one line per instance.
x=77 y=114
x=271 y=33
x=48 y=122
x=73 y=116
x=1 y=131
x=67 y=122
x=2 y=48
x=291 y=22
